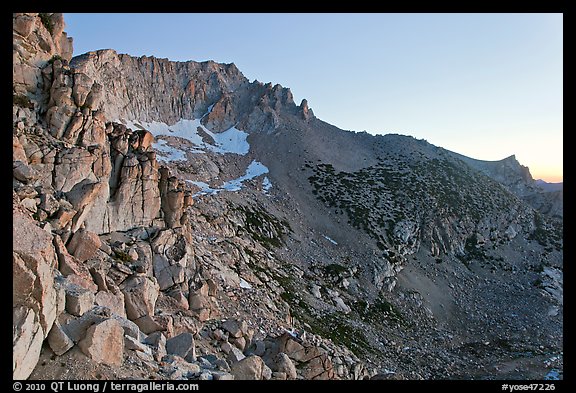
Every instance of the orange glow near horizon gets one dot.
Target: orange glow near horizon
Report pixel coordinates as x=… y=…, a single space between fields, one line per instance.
x=548 y=177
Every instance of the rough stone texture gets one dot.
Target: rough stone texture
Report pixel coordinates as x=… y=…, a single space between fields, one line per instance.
x=70 y=266
x=33 y=46
x=59 y=342
x=174 y=201
x=201 y=87
x=239 y=342
x=168 y=274
x=222 y=376
x=114 y=301
x=283 y=364
x=235 y=327
x=78 y=300
x=84 y=245
x=154 y=323
x=63 y=217
x=319 y=367
x=135 y=345
x=83 y=196
x=76 y=328
x=27 y=337
x=405 y=200
x=172 y=255
x=179 y=369
x=234 y=354
x=140 y=294
x=104 y=343
x=182 y=345
x=157 y=341
x=250 y=368
x=34 y=261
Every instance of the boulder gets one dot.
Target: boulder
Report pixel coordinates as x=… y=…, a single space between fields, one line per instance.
x=76 y=328
x=29 y=204
x=293 y=349
x=282 y=363
x=84 y=245
x=239 y=343
x=257 y=347
x=235 y=327
x=70 y=266
x=250 y=368
x=114 y=301
x=168 y=274
x=147 y=324
x=182 y=345
x=319 y=367
x=234 y=354
x=157 y=341
x=177 y=368
x=78 y=300
x=279 y=376
x=33 y=271
x=180 y=298
x=140 y=295
x=104 y=343
x=58 y=341
x=222 y=376
x=23 y=172
x=27 y=337
x=63 y=216
x=135 y=345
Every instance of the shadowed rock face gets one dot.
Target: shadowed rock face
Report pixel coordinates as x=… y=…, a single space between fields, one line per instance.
x=347 y=256
x=147 y=88
x=150 y=89
x=518 y=179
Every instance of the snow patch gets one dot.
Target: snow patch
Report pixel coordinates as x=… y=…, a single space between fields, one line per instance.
x=255 y=169
x=245 y=284
x=168 y=153
x=232 y=140
x=330 y=240
x=205 y=189
x=266 y=184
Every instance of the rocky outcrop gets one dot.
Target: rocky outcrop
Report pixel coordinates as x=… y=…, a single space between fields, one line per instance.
x=104 y=343
x=116 y=259
x=27 y=339
x=518 y=179
x=172 y=257
x=140 y=294
x=37 y=298
x=251 y=368
x=148 y=89
x=37 y=38
x=183 y=346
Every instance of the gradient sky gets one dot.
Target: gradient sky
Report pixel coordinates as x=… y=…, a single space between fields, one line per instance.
x=483 y=85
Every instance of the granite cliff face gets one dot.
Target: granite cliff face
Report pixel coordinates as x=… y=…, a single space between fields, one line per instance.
x=174 y=220
x=150 y=89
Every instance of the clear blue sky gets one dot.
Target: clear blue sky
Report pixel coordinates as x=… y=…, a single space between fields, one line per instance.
x=483 y=85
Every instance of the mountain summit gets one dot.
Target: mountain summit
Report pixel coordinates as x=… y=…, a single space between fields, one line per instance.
x=173 y=220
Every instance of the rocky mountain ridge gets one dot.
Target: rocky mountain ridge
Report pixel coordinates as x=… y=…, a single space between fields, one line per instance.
x=205 y=227
x=518 y=180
